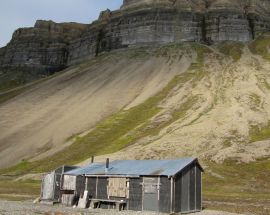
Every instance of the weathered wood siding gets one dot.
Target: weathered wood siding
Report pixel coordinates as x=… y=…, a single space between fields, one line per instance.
x=192 y=185
x=117 y=187
x=102 y=183
x=198 y=189
x=182 y=193
x=68 y=199
x=69 y=182
x=57 y=193
x=185 y=190
x=135 y=194
x=80 y=185
x=48 y=187
x=177 y=193
x=91 y=187
x=165 y=195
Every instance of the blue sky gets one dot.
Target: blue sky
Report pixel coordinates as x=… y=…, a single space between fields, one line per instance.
x=23 y=13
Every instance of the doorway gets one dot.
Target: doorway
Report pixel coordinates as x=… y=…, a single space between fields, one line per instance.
x=150 y=194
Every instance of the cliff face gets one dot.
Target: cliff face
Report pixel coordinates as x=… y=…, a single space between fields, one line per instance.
x=227 y=20
x=45 y=45
x=53 y=46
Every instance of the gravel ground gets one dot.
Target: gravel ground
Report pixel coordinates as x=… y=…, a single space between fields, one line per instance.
x=28 y=208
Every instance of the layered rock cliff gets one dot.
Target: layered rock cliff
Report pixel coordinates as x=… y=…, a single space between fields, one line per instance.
x=45 y=45
x=50 y=46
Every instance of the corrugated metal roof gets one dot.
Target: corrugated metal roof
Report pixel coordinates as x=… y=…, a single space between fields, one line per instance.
x=83 y=170
x=136 y=167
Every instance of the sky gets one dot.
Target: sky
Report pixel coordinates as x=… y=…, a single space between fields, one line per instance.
x=15 y=14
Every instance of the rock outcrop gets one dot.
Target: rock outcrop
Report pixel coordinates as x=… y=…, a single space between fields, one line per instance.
x=43 y=46
x=51 y=46
x=227 y=20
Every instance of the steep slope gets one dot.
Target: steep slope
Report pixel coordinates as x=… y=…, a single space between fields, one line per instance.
x=224 y=114
x=43 y=117
x=167 y=101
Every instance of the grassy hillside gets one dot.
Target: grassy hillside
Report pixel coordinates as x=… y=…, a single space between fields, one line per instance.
x=123 y=128
x=238 y=187
x=215 y=106
x=19 y=190
x=261 y=46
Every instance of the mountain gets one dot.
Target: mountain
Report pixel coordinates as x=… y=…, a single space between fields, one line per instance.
x=205 y=101
x=49 y=47
x=152 y=102
x=153 y=80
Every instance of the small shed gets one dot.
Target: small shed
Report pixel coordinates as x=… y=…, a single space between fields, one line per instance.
x=50 y=188
x=145 y=185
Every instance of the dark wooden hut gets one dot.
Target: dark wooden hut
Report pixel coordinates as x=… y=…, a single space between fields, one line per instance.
x=144 y=185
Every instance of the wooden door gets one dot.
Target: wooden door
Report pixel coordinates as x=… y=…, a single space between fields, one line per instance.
x=150 y=194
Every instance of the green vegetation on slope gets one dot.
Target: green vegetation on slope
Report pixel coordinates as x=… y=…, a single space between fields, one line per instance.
x=109 y=136
x=237 y=187
x=117 y=131
x=238 y=179
x=19 y=190
x=230 y=186
x=261 y=46
x=231 y=49
x=258 y=133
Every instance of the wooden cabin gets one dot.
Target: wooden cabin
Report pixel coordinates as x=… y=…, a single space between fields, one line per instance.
x=169 y=186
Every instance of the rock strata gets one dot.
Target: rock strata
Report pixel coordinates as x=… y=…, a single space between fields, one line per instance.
x=43 y=46
x=52 y=46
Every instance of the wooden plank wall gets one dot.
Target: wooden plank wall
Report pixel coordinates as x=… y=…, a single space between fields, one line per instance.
x=165 y=195
x=198 y=188
x=185 y=190
x=135 y=194
x=57 y=193
x=117 y=187
x=91 y=187
x=69 y=182
x=177 y=193
x=68 y=199
x=80 y=185
x=192 y=191
x=102 y=183
x=48 y=187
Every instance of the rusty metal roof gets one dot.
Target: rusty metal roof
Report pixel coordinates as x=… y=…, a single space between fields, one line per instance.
x=136 y=168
